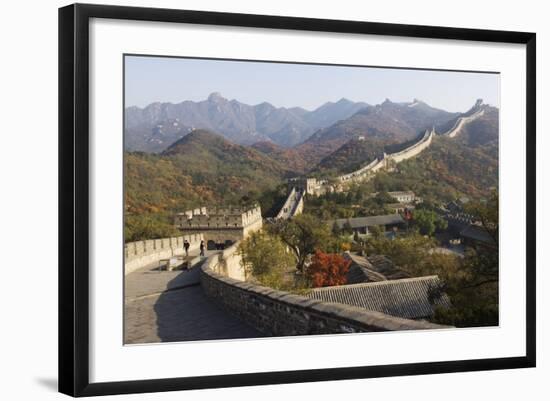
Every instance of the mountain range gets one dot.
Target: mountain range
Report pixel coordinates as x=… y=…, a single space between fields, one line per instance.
x=383 y=124
x=155 y=127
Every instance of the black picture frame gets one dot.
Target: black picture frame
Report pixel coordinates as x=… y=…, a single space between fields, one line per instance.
x=74 y=198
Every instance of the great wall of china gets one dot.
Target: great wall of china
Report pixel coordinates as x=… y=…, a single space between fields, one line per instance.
x=294 y=205
x=142 y=253
x=162 y=306
x=461 y=121
x=280 y=313
x=298 y=187
x=219 y=280
x=247 y=309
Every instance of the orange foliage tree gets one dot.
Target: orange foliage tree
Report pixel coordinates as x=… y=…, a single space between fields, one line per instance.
x=327 y=269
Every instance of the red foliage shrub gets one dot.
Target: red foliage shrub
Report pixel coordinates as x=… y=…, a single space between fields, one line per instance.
x=327 y=269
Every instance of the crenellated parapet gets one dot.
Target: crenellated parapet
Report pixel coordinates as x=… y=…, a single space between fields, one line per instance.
x=222 y=225
x=142 y=253
x=208 y=218
x=389 y=158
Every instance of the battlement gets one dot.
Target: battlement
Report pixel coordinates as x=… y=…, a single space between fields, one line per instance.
x=142 y=253
x=311 y=186
x=210 y=218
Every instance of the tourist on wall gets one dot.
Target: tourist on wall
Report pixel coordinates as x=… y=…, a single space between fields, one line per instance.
x=186 y=247
x=202 y=248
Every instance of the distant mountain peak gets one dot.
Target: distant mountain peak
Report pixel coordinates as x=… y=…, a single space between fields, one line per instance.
x=198 y=134
x=200 y=137
x=417 y=102
x=216 y=97
x=344 y=100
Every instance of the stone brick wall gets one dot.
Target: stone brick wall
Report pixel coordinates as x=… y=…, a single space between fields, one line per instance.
x=141 y=253
x=461 y=121
x=294 y=205
x=228 y=263
x=413 y=150
x=280 y=313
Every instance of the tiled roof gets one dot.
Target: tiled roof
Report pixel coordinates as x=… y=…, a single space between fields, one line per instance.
x=359 y=273
x=477 y=233
x=373 y=268
x=385 y=266
x=370 y=221
x=407 y=298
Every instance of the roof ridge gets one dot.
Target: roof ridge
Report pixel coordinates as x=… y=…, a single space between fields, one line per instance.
x=378 y=283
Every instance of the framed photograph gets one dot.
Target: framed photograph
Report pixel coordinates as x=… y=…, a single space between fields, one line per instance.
x=251 y=199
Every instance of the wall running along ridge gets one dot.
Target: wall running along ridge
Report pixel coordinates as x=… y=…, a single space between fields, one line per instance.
x=461 y=121
x=396 y=157
x=279 y=313
x=413 y=150
x=142 y=253
x=294 y=203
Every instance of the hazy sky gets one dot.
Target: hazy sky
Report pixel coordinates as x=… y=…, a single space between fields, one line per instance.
x=160 y=79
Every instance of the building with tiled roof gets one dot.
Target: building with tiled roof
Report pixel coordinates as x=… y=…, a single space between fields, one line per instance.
x=372 y=268
x=361 y=271
x=410 y=298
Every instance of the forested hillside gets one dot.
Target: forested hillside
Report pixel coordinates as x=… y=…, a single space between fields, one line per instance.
x=200 y=169
x=446 y=170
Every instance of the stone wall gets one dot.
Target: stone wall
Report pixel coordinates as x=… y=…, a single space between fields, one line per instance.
x=220 y=224
x=228 y=263
x=358 y=173
x=280 y=313
x=366 y=172
x=461 y=121
x=413 y=150
x=142 y=253
x=294 y=204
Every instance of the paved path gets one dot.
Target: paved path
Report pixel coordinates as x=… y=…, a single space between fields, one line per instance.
x=171 y=306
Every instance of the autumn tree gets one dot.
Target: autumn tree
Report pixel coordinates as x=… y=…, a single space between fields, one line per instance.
x=408 y=251
x=327 y=269
x=487 y=214
x=470 y=281
x=474 y=291
x=266 y=259
x=303 y=234
x=428 y=221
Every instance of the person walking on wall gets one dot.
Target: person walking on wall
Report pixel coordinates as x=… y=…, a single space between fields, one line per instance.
x=202 y=248
x=186 y=247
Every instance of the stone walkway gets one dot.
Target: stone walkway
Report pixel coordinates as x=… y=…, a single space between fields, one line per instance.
x=165 y=306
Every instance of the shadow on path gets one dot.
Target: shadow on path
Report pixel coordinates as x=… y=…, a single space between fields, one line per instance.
x=164 y=306
x=186 y=314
